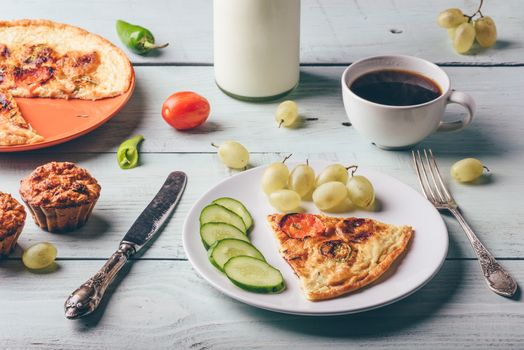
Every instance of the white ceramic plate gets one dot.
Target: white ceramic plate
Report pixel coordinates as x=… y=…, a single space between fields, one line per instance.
x=400 y=205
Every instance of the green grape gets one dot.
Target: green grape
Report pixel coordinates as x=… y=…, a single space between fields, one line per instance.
x=451 y=32
x=329 y=195
x=467 y=170
x=285 y=200
x=486 y=31
x=302 y=179
x=360 y=191
x=233 y=155
x=287 y=113
x=343 y=207
x=275 y=177
x=39 y=256
x=334 y=172
x=451 y=18
x=464 y=37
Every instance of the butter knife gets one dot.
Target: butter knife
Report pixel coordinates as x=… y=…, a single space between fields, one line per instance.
x=86 y=299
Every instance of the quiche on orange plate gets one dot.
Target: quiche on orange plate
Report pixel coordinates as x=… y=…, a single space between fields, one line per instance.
x=41 y=58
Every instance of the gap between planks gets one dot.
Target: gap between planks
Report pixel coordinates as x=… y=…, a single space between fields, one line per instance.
x=328 y=64
x=185 y=259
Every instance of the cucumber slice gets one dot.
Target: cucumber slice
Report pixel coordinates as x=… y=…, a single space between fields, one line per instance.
x=218 y=213
x=236 y=207
x=225 y=249
x=215 y=231
x=254 y=275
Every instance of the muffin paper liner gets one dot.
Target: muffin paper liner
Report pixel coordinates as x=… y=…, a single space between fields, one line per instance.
x=7 y=245
x=61 y=219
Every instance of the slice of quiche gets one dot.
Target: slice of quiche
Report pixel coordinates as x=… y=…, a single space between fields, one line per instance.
x=41 y=58
x=14 y=129
x=334 y=256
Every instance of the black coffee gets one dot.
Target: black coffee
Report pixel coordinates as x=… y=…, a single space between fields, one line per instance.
x=395 y=87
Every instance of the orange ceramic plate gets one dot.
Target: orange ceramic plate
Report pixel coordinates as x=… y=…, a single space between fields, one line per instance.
x=59 y=120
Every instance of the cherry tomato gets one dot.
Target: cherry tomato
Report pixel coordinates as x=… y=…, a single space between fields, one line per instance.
x=185 y=110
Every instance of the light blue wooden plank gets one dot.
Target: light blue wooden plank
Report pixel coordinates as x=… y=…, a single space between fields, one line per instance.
x=490 y=208
x=165 y=305
x=333 y=31
x=496 y=129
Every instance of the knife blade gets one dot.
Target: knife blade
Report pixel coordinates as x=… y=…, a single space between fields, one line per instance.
x=88 y=296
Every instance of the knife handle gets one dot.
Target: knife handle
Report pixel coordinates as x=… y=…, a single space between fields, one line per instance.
x=86 y=299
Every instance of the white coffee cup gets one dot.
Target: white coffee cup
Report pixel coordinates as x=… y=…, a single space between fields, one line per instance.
x=393 y=127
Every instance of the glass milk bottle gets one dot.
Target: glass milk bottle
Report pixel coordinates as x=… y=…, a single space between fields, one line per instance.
x=256 y=47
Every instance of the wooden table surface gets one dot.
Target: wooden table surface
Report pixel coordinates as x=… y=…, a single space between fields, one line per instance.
x=162 y=303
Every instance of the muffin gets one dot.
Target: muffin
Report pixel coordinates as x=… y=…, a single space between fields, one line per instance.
x=60 y=196
x=12 y=219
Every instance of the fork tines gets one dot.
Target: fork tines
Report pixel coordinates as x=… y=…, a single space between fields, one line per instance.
x=430 y=179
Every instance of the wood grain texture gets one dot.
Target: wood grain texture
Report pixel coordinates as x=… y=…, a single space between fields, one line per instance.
x=165 y=305
x=497 y=91
x=126 y=193
x=162 y=303
x=332 y=31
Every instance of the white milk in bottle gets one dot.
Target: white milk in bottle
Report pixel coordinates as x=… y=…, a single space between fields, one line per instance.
x=256 y=47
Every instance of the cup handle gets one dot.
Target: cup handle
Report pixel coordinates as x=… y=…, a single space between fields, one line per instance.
x=465 y=101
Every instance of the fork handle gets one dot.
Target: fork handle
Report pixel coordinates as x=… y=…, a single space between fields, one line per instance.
x=497 y=278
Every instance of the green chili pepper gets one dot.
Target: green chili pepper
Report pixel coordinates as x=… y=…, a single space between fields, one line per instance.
x=137 y=38
x=127 y=154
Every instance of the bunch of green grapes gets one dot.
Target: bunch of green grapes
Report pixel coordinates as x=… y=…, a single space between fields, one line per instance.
x=333 y=190
x=463 y=29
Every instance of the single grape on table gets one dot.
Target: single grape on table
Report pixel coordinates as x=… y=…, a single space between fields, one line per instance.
x=39 y=256
x=467 y=170
x=233 y=154
x=287 y=113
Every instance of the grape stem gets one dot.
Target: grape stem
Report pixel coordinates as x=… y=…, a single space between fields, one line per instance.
x=353 y=169
x=476 y=12
x=287 y=157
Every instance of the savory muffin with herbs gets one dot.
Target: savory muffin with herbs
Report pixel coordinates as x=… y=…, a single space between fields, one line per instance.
x=12 y=219
x=60 y=195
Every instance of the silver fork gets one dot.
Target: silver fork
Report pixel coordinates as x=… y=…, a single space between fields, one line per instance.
x=433 y=188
